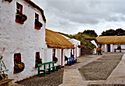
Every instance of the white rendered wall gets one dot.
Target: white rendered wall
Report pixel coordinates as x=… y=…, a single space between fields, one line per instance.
x=48 y=55
x=112 y=48
x=58 y=55
x=76 y=50
x=122 y=47
x=20 y=38
x=67 y=52
x=75 y=43
x=61 y=60
x=104 y=47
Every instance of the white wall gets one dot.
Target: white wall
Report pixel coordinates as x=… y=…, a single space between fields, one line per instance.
x=58 y=55
x=61 y=60
x=22 y=38
x=75 y=43
x=122 y=47
x=77 y=49
x=48 y=55
x=67 y=52
x=104 y=47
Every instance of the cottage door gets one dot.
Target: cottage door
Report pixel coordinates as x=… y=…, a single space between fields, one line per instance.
x=108 y=48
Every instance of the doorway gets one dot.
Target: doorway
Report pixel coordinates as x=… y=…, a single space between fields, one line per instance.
x=108 y=48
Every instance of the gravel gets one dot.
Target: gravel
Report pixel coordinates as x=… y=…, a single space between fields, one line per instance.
x=53 y=79
x=101 y=68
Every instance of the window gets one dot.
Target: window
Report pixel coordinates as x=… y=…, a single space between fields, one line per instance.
x=119 y=47
x=17 y=58
x=54 y=56
x=38 y=24
x=54 y=51
x=20 y=17
x=36 y=17
x=38 y=59
x=19 y=8
x=18 y=64
x=72 y=53
x=8 y=0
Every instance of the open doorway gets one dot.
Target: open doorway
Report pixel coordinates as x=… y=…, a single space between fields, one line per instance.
x=108 y=48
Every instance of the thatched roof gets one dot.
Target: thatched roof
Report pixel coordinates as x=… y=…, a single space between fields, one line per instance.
x=110 y=39
x=56 y=40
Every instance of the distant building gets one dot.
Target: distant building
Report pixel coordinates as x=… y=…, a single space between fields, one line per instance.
x=22 y=37
x=111 y=43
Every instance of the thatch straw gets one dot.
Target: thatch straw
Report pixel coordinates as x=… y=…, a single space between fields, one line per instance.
x=56 y=40
x=110 y=39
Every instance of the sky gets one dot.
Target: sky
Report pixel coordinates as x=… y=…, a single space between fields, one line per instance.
x=73 y=16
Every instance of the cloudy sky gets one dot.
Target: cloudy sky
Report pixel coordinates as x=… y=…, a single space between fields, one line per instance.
x=73 y=16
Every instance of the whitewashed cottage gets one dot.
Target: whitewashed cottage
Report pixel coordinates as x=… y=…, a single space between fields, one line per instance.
x=77 y=49
x=111 y=43
x=57 y=47
x=22 y=37
x=74 y=51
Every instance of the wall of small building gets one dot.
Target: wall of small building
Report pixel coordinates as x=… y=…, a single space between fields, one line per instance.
x=48 y=55
x=105 y=49
x=20 y=38
x=67 y=53
x=122 y=47
x=76 y=49
x=58 y=55
x=112 y=47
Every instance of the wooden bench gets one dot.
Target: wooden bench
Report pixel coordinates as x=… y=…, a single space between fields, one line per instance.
x=46 y=67
x=118 y=49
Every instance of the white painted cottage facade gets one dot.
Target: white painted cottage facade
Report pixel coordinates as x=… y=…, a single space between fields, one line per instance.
x=112 y=47
x=58 y=46
x=111 y=43
x=19 y=35
x=77 y=50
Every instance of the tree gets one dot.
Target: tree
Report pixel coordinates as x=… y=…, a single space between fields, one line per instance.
x=81 y=36
x=109 y=32
x=120 y=32
x=90 y=33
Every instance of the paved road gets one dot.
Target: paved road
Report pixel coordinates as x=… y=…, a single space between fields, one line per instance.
x=72 y=77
